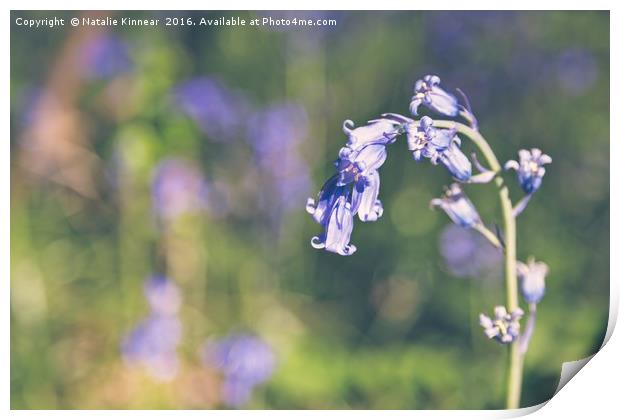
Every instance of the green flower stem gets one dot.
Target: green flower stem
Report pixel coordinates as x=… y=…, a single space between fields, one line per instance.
x=515 y=369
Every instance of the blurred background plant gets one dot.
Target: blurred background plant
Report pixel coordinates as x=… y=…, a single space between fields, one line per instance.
x=159 y=239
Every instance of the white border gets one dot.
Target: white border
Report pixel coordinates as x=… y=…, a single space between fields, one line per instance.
x=593 y=391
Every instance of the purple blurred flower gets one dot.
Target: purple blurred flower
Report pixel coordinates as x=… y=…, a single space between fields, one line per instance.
x=104 y=57
x=576 y=71
x=178 y=187
x=275 y=134
x=244 y=361
x=218 y=111
x=532 y=279
x=467 y=254
x=153 y=342
x=163 y=295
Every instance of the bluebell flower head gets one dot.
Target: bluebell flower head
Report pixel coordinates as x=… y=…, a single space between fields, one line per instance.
x=458 y=207
x=163 y=295
x=504 y=327
x=152 y=345
x=244 y=361
x=382 y=131
x=430 y=94
x=438 y=145
x=532 y=279
x=530 y=168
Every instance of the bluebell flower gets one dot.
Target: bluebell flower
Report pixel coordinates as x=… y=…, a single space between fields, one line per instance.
x=321 y=208
x=438 y=145
x=458 y=207
x=532 y=280
x=530 y=168
x=245 y=361
x=429 y=94
x=337 y=228
x=382 y=131
x=504 y=327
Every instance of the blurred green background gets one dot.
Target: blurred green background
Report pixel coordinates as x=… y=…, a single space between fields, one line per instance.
x=251 y=120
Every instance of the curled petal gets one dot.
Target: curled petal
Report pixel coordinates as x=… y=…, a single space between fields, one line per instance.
x=512 y=164
x=545 y=159
x=415 y=103
x=318 y=242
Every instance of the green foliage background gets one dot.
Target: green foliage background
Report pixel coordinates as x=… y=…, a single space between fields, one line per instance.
x=388 y=327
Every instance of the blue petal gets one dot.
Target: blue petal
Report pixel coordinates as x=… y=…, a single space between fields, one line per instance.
x=369 y=209
x=456 y=162
x=338 y=231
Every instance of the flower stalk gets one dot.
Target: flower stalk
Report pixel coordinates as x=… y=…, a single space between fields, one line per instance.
x=515 y=363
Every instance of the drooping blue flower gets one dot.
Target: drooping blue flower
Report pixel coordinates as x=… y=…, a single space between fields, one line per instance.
x=245 y=361
x=530 y=168
x=438 y=145
x=504 y=327
x=429 y=94
x=321 y=208
x=532 y=280
x=458 y=207
x=382 y=131
x=337 y=229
